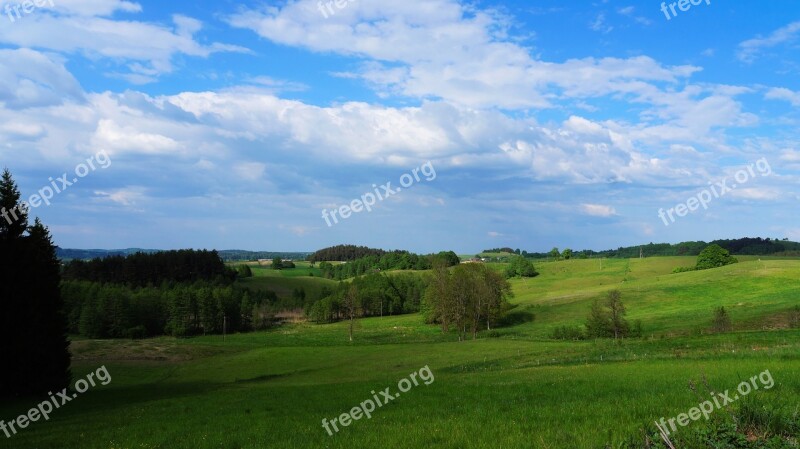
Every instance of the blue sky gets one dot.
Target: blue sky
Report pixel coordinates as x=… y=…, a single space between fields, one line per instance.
x=548 y=123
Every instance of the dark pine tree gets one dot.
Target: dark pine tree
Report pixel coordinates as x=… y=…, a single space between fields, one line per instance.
x=33 y=329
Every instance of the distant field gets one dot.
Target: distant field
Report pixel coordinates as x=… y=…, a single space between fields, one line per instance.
x=518 y=390
x=283 y=282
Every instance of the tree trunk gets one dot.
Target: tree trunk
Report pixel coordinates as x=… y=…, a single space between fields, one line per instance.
x=351 y=327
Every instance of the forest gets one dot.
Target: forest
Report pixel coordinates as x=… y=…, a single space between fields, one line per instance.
x=178 y=293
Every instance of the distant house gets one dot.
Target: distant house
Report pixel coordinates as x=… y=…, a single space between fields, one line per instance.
x=474 y=260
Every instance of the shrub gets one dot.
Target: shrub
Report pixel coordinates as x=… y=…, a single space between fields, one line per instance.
x=722 y=321
x=794 y=318
x=136 y=333
x=244 y=271
x=568 y=333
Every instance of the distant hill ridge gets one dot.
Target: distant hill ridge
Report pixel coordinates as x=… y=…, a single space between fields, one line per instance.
x=227 y=255
x=746 y=246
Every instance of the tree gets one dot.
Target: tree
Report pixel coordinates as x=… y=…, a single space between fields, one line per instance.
x=33 y=326
x=722 y=321
x=554 y=254
x=471 y=295
x=352 y=307
x=438 y=296
x=607 y=318
x=619 y=326
x=567 y=254
x=449 y=258
x=714 y=256
x=598 y=323
x=14 y=213
x=244 y=271
x=277 y=263
x=520 y=266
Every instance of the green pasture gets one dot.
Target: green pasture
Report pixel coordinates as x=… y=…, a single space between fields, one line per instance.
x=513 y=388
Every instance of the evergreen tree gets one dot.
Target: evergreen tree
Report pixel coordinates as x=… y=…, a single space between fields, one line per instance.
x=33 y=328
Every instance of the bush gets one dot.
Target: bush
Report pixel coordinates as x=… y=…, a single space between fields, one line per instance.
x=136 y=333
x=754 y=425
x=244 y=271
x=568 y=333
x=722 y=321
x=520 y=266
x=683 y=269
x=794 y=318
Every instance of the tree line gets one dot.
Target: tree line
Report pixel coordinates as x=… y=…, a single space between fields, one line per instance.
x=467 y=298
x=368 y=296
x=143 y=269
x=395 y=260
x=179 y=293
x=105 y=310
x=743 y=246
x=342 y=253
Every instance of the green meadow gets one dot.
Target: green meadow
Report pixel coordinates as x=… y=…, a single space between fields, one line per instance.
x=511 y=388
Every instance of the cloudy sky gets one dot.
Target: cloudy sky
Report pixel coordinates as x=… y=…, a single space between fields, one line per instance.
x=548 y=123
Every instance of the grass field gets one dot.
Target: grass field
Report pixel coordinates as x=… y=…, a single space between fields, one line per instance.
x=284 y=282
x=518 y=390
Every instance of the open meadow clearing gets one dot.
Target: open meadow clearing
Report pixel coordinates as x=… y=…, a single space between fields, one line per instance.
x=513 y=388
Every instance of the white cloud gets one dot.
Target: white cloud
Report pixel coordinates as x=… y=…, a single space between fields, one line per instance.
x=757 y=193
x=781 y=93
x=144 y=50
x=95 y=7
x=444 y=50
x=600 y=24
x=751 y=49
x=251 y=171
x=128 y=196
x=116 y=138
x=598 y=210
x=29 y=79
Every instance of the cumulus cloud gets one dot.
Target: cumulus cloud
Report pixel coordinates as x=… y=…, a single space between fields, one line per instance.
x=448 y=51
x=751 y=49
x=143 y=50
x=598 y=210
x=781 y=93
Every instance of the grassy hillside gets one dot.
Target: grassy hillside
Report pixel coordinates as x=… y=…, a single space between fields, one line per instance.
x=520 y=389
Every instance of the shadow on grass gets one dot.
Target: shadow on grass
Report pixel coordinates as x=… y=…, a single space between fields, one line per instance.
x=516 y=317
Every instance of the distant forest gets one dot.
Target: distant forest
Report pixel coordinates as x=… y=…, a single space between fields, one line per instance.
x=395 y=260
x=344 y=253
x=228 y=255
x=179 y=293
x=744 y=247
